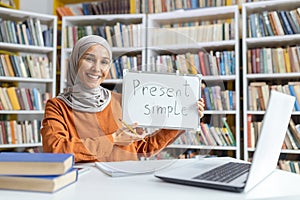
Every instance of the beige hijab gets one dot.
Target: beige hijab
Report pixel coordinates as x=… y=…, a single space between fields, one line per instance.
x=76 y=95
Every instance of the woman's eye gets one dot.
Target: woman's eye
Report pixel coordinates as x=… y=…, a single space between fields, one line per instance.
x=90 y=59
x=104 y=62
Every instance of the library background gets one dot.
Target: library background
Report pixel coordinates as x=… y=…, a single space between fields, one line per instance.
x=242 y=48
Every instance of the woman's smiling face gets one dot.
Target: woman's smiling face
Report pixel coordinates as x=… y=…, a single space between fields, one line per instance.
x=93 y=66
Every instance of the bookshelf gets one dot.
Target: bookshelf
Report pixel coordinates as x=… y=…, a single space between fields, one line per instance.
x=32 y=75
x=270 y=62
x=133 y=7
x=103 y=7
x=172 y=37
x=133 y=26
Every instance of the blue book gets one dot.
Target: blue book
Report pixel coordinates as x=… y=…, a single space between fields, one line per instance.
x=19 y=163
x=15 y=65
x=230 y=93
x=285 y=22
x=232 y=62
x=197 y=63
x=222 y=64
x=85 y=9
x=261 y=25
x=269 y=30
x=207 y=98
x=36 y=99
x=293 y=93
x=194 y=4
x=30 y=42
x=252 y=26
x=117 y=67
x=38 y=183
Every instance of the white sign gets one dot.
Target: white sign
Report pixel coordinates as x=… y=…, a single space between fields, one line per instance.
x=161 y=100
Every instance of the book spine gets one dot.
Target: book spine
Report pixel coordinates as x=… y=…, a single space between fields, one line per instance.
x=11 y=91
x=292 y=92
x=232 y=139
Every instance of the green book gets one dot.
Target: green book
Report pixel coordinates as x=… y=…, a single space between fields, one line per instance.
x=231 y=137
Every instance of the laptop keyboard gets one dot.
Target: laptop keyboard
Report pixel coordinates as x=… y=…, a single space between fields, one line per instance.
x=225 y=173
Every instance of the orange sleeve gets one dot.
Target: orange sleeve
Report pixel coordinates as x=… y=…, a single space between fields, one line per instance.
x=59 y=136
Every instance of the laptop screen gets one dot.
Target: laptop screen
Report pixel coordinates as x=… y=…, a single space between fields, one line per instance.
x=275 y=124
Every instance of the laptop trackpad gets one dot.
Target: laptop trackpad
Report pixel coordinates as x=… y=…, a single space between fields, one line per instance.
x=192 y=169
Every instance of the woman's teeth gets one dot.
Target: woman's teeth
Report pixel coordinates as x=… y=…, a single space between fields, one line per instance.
x=93 y=76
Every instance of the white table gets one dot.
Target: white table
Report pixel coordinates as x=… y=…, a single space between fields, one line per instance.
x=96 y=185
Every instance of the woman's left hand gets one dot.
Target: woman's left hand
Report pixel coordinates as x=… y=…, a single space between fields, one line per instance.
x=201 y=105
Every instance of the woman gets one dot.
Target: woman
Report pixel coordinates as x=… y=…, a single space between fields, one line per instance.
x=84 y=119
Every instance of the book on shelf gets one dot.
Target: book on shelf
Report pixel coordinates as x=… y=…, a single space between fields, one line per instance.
x=8 y=71
x=267 y=24
x=23 y=98
x=293 y=93
x=270 y=23
x=291 y=141
x=118 y=34
x=250 y=128
x=3 y=100
x=6 y=98
x=18 y=132
x=9 y=65
x=20 y=98
x=217 y=99
x=231 y=136
x=22 y=32
x=278 y=25
x=207 y=135
x=16 y=65
x=286 y=24
x=289 y=165
x=11 y=91
x=137 y=6
x=8 y=3
x=295 y=18
x=19 y=163
x=209 y=138
x=34 y=66
x=294 y=128
x=273 y=60
x=38 y=183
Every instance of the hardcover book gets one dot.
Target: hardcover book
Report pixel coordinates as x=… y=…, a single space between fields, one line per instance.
x=19 y=163
x=38 y=183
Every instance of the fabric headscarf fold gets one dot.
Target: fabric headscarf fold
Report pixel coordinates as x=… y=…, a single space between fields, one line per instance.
x=76 y=95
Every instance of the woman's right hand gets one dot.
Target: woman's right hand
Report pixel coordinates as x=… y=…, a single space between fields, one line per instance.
x=125 y=137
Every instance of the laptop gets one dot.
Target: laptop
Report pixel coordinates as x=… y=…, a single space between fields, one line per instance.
x=203 y=172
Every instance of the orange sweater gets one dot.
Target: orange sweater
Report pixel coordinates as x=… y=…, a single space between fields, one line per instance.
x=89 y=135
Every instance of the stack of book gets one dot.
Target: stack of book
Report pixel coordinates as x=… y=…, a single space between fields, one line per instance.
x=41 y=172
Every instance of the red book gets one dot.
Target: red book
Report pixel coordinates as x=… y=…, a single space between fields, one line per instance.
x=20 y=98
x=4 y=137
x=202 y=62
x=1 y=106
x=257 y=60
x=249 y=119
x=29 y=99
x=253 y=61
